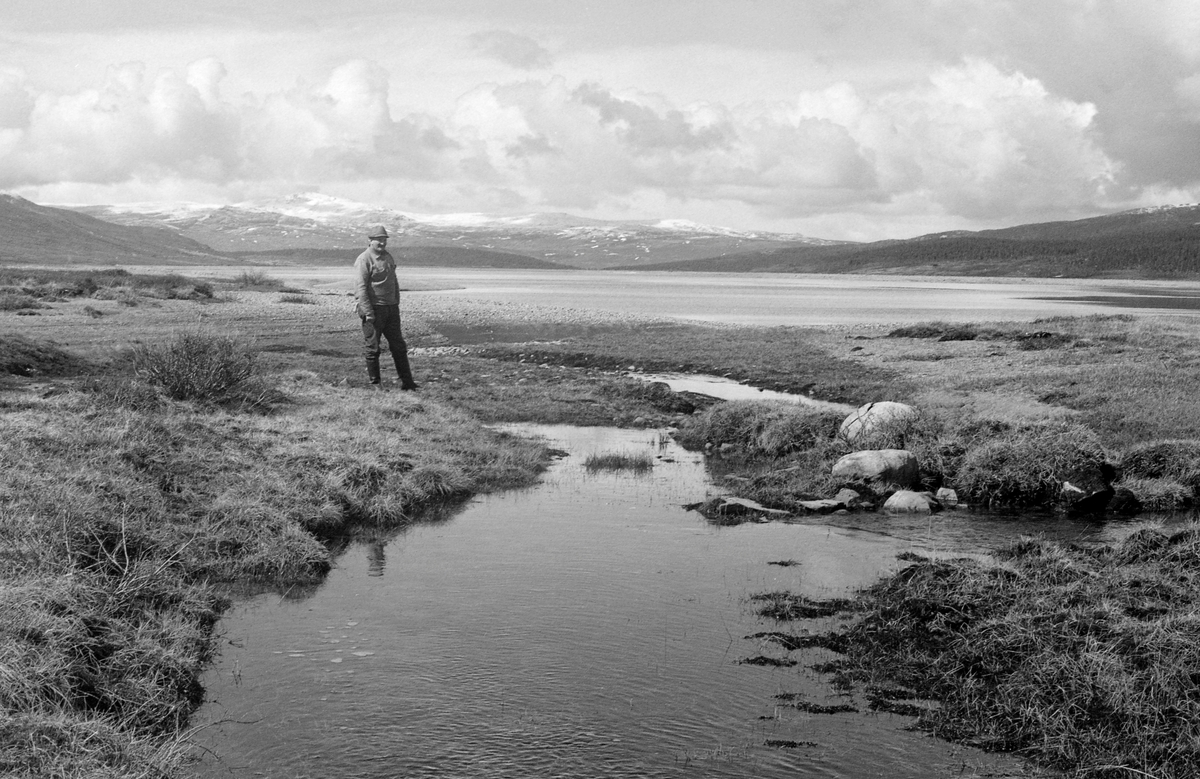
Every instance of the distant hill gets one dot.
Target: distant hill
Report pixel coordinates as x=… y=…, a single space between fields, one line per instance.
x=315 y=221
x=1146 y=243
x=1161 y=221
x=30 y=233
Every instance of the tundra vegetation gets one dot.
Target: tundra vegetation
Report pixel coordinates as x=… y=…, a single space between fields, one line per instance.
x=163 y=438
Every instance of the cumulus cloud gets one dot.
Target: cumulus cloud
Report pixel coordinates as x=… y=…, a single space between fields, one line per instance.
x=514 y=50
x=132 y=124
x=982 y=143
x=971 y=140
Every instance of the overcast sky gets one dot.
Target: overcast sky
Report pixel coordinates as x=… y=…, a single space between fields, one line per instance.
x=853 y=119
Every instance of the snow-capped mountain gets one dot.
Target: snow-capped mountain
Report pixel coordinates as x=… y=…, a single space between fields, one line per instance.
x=316 y=221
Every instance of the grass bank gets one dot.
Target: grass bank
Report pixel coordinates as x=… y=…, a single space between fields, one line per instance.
x=1084 y=660
x=135 y=484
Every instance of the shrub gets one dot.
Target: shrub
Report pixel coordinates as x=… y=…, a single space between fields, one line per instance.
x=255 y=280
x=1026 y=466
x=301 y=298
x=195 y=366
x=761 y=427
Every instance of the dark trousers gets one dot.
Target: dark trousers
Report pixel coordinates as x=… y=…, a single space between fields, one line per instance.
x=386 y=324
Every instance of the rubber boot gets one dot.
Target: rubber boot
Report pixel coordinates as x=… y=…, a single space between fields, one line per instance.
x=404 y=370
x=373 y=371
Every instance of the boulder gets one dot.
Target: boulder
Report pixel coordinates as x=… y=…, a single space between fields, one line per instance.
x=1124 y=501
x=947 y=497
x=1088 y=499
x=872 y=418
x=896 y=467
x=845 y=500
x=907 y=501
x=849 y=498
x=1087 y=490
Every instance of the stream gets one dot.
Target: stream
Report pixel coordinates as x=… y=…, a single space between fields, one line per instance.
x=588 y=626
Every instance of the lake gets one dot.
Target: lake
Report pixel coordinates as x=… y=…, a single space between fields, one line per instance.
x=780 y=299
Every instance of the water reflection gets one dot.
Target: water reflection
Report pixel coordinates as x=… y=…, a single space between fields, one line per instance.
x=376 y=558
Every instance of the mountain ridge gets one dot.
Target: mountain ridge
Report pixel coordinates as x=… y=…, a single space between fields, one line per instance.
x=1158 y=242
x=315 y=221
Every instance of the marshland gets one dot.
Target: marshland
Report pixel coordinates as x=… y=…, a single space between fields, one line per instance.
x=176 y=446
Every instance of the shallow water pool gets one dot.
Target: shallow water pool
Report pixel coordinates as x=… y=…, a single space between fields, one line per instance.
x=587 y=627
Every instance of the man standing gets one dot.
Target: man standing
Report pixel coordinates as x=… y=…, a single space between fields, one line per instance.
x=378 y=294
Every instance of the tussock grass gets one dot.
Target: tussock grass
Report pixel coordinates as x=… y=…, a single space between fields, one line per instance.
x=1160 y=495
x=194 y=365
x=1164 y=459
x=901 y=432
x=1027 y=465
x=297 y=297
x=760 y=427
x=60 y=745
x=638 y=462
x=1085 y=660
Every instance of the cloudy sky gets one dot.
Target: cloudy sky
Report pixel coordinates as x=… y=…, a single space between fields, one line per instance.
x=853 y=119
